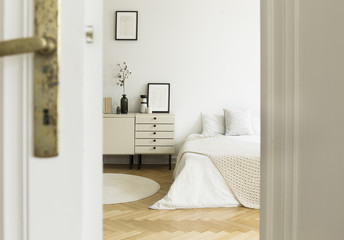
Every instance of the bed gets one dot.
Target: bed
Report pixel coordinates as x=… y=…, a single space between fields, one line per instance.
x=215 y=171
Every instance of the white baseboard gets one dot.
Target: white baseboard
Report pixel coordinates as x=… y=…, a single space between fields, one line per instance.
x=146 y=159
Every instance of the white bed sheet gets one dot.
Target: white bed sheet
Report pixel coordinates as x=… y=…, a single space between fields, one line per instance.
x=198 y=183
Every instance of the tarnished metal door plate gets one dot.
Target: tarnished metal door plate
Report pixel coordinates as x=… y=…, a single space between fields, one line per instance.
x=46 y=82
x=46 y=77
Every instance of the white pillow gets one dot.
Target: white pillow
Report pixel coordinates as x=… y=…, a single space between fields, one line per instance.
x=213 y=124
x=238 y=122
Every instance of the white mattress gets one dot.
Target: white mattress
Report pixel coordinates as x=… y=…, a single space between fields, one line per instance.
x=198 y=183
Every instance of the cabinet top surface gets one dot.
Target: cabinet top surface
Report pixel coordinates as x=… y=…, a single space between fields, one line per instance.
x=132 y=115
x=129 y=115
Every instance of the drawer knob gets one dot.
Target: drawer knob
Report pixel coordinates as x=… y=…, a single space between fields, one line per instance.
x=154 y=147
x=154 y=133
x=154 y=125
x=154 y=140
x=154 y=118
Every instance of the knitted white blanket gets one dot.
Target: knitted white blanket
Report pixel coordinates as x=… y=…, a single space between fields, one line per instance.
x=237 y=161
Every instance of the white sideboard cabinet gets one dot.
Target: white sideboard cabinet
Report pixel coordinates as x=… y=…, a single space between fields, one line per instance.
x=119 y=135
x=136 y=133
x=154 y=134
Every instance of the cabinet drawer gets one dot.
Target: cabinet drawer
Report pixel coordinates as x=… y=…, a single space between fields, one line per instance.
x=155 y=127
x=154 y=134
x=154 y=150
x=155 y=142
x=154 y=118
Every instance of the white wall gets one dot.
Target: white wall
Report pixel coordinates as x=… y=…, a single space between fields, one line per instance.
x=208 y=50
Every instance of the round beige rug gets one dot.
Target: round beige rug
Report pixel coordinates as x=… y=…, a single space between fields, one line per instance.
x=121 y=188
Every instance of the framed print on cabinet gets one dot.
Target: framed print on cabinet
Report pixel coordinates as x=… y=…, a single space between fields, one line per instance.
x=159 y=97
x=126 y=24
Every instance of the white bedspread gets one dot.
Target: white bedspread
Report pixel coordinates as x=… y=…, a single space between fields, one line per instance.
x=198 y=183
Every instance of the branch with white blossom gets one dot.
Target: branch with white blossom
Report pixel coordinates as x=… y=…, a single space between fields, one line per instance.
x=122 y=75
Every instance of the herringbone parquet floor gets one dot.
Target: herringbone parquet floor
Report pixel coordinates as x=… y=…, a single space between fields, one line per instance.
x=136 y=221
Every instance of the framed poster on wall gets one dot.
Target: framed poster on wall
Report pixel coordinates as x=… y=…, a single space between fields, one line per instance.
x=126 y=23
x=159 y=97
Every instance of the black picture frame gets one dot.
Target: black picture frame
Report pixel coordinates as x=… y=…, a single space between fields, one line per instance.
x=159 y=97
x=126 y=25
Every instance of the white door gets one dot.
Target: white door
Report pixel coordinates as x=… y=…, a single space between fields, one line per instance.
x=59 y=197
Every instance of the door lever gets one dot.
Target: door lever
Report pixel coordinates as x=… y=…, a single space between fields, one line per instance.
x=46 y=75
x=25 y=45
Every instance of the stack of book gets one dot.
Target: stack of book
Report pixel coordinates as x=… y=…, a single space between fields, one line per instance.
x=107 y=104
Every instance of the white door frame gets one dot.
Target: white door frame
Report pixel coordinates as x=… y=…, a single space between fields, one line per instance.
x=1 y=138
x=279 y=23
x=279 y=20
x=13 y=125
x=92 y=227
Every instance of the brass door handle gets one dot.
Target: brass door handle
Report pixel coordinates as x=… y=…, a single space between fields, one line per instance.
x=45 y=75
x=25 y=45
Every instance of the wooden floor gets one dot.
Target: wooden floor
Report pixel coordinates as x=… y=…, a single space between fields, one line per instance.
x=136 y=221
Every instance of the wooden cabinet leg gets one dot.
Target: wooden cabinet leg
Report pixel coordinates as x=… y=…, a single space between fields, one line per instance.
x=139 y=162
x=170 y=162
x=131 y=161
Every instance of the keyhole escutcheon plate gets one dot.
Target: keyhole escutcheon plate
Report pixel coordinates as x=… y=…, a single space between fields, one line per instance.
x=46 y=82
